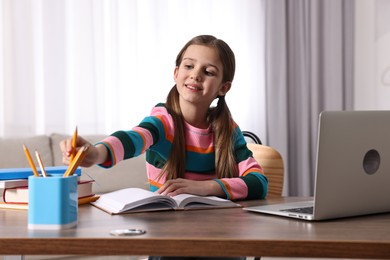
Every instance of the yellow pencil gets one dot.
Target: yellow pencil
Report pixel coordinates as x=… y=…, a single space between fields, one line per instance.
x=40 y=164
x=74 y=145
x=77 y=161
x=30 y=161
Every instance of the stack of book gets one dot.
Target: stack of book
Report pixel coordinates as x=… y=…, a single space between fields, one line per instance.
x=14 y=187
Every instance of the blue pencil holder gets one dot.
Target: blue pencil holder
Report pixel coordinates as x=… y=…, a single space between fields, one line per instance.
x=52 y=202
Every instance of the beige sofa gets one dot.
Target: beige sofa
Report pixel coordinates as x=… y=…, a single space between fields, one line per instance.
x=129 y=173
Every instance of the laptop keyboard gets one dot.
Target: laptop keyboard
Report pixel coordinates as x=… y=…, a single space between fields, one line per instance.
x=304 y=210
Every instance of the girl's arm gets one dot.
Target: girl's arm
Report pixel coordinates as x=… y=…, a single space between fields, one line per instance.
x=201 y=188
x=250 y=183
x=96 y=154
x=254 y=185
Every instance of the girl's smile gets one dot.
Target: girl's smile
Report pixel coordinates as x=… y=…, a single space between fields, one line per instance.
x=195 y=87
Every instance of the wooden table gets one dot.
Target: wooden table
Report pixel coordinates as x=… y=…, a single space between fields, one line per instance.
x=220 y=232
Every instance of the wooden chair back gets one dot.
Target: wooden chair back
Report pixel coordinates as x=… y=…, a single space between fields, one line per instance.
x=272 y=163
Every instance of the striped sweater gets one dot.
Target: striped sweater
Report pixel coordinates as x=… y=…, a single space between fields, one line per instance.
x=154 y=136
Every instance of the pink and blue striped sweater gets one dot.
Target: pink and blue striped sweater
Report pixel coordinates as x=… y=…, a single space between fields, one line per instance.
x=154 y=136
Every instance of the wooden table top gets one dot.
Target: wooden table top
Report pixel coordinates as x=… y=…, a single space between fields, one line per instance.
x=216 y=232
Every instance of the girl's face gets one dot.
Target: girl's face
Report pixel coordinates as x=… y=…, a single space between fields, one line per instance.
x=199 y=76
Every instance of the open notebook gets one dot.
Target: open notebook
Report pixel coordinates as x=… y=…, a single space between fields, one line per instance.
x=352 y=169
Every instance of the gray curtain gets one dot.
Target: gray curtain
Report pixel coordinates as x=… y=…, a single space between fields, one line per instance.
x=309 y=53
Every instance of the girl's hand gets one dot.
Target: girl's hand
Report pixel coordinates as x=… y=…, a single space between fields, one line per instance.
x=201 y=188
x=67 y=149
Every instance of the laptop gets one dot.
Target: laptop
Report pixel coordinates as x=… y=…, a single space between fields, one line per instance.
x=352 y=168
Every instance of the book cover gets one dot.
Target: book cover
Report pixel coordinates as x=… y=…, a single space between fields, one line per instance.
x=20 y=194
x=23 y=173
x=131 y=200
x=84 y=188
x=5 y=184
x=16 y=195
x=24 y=206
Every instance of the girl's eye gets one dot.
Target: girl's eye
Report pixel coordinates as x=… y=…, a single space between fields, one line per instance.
x=188 y=67
x=209 y=73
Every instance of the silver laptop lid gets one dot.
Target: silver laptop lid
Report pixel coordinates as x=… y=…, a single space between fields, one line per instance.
x=353 y=164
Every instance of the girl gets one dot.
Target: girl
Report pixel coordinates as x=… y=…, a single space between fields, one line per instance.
x=190 y=146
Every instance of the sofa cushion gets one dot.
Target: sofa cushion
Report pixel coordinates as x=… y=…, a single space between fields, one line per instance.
x=12 y=154
x=128 y=173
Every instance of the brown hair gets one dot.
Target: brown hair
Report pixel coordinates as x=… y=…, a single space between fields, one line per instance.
x=219 y=117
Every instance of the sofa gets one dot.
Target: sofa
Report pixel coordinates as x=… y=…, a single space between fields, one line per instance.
x=129 y=173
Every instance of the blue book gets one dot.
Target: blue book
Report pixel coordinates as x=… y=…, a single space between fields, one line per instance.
x=23 y=173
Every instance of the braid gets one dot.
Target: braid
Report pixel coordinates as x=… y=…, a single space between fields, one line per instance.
x=175 y=165
x=222 y=124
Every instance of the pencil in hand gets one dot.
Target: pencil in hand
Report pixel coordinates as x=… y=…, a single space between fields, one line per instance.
x=77 y=160
x=74 y=145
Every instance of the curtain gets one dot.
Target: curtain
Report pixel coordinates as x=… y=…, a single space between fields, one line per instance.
x=101 y=65
x=309 y=46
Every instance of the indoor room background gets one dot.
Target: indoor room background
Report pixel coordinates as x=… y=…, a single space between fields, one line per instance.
x=101 y=65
